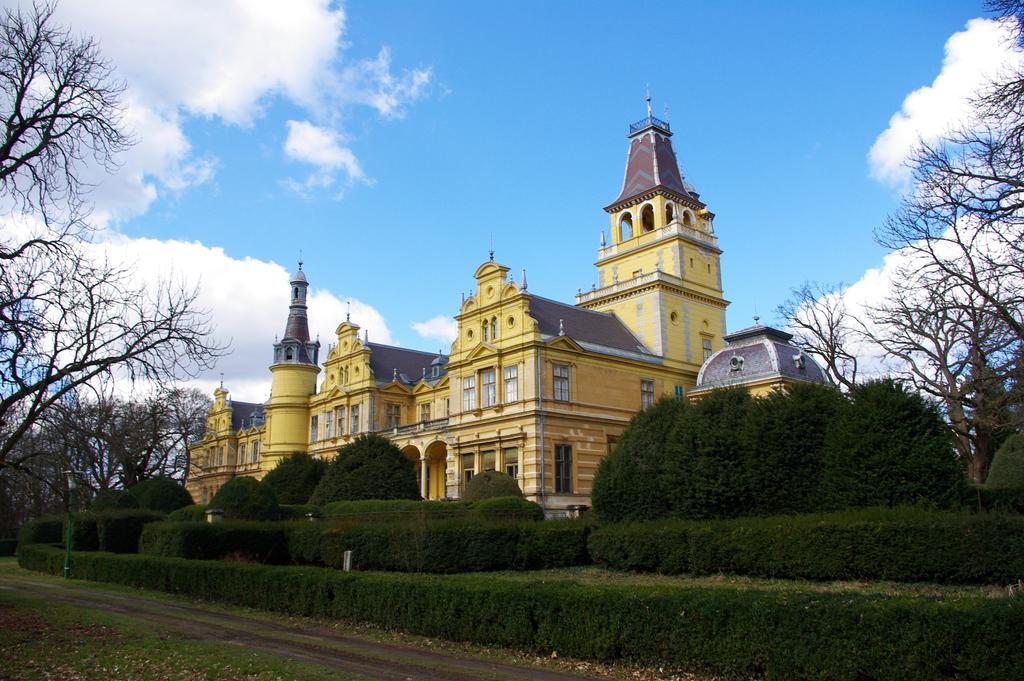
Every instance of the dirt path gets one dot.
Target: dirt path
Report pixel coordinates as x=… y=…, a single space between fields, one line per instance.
x=309 y=644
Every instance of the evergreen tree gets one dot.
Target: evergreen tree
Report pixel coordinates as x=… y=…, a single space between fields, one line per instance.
x=161 y=494
x=629 y=481
x=889 y=447
x=370 y=467
x=246 y=498
x=707 y=468
x=295 y=477
x=1007 y=470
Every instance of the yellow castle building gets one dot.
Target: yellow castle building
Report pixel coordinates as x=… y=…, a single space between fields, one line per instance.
x=533 y=387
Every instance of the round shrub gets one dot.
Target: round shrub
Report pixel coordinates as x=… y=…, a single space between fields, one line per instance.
x=295 y=477
x=889 y=447
x=1007 y=469
x=628 y=485
x=508 y=508
x=113 y=500
x=193 y=514
x=161 y=494
x=370 y=467
x=246 y=498
x=491 y=485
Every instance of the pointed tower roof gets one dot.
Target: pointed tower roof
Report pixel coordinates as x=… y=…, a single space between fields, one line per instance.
x=651 y=163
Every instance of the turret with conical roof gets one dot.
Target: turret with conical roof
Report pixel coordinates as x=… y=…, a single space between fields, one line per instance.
x=293 y=378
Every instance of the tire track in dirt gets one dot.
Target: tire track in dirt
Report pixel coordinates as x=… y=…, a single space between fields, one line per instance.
x=321 y=646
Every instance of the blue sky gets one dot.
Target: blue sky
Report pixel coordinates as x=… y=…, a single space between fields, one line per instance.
x=429 y=129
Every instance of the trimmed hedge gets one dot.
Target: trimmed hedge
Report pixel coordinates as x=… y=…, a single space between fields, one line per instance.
x=792 y=634
x=400 y=510
x=297 y=511
x=113 y=531
x=906 y=545
x=195 y=513
x=260 y=542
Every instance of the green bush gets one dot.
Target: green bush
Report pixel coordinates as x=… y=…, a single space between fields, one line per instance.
x=629 y=481
x=194 y=513
x=552 y=544
x=370 y=467
x=298 y=511
x=1007 y=469
x=733 y=633
x=113 y=499
x=252 y=541
x=161 y=494
x=491 y=485
x=8 y=547
x=245 y=498
x=998 y=499
x=708 y=455
x=395 y=509
x=45 y=530
x=119 y=531
x=507 y=508
x=889 y=447
x=85 y=535
x=905 y=545
x=295 y=478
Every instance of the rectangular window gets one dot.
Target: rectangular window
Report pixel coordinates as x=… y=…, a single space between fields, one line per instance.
x=448 y=406
x=313 y=429
x=220 y=456
x=510 y=457
x=394 y=415
x=469 y=393
x=612 y=439
x=646 y=394
x=353 y=418
x=468 y=467
x=425 y=412
x=487 y=460
x=339 y=416
x=563 y=469
x=241 y=453
x=328 y=423
x=706 y=343
x=488 y=393
x=256 y=451
x=679 y=393
x=511 y=384
x=561 y=382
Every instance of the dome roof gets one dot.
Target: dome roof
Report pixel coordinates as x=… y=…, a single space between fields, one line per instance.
x=755 y=354
x=299 y=276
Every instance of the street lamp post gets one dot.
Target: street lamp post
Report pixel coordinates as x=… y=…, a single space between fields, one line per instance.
x=72 y=487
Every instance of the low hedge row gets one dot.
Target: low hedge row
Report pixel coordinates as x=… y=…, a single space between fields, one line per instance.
x=792 y=634
x=499 y=508
x=441 y=546
x=457 y=546
x=113 y=531
x=906 y=545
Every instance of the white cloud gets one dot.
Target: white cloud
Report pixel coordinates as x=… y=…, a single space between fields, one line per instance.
x=226 y=60
x=248 y=302
x=320 y=147
x=440 y=328
x=973 y=56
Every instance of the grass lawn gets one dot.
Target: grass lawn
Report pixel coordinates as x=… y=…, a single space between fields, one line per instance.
x=44 y=639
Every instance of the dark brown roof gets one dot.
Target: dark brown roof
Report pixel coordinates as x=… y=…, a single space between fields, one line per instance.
x=652 y=163
x=384 y=359
x=240 y=412
x=583 y=326
x=297 y=326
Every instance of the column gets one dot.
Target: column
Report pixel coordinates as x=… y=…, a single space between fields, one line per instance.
x=424 y=472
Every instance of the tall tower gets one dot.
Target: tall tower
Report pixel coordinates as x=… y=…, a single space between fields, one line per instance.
x=293 y=380
x=660 y=274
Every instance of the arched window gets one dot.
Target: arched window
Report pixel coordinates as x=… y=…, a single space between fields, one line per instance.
x=494 y=328
x=626 y=227
x=295 y=293
x=288 y=353
x=647 y=218
x=670 y=212
x=688 y=218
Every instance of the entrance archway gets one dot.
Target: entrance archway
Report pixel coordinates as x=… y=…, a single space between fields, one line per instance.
x=437 y=454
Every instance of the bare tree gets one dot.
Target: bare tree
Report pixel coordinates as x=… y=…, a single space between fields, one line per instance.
x=955 y=352
x=817 y=315
x=68 y=318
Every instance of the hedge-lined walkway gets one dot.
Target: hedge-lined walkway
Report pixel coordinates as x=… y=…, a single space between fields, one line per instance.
x=316 y=645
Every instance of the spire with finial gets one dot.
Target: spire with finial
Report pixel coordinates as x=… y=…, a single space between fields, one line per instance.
x=222 y=380
x=561 y=327
x=348 y=310
x=490 y=248
x=603 y=242
x=648 y=98
x=524 y=280
x=394 y=374
x=366 y=336
x=300 y=259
